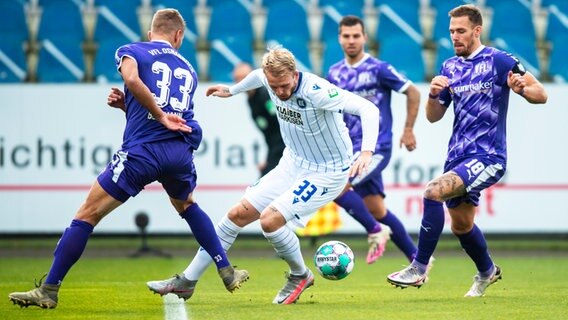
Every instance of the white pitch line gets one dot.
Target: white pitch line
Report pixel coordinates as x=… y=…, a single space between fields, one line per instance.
x=174 y=308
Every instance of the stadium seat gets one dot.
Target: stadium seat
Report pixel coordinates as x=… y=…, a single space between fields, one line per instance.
x=116 y=25
x=444 y=50
x=332 y=53
x=61 y=55
x=333 y=11
x=14 y=34
x=557 y=21
x=512 y=30
x=399 y=19
x=231 y=37
x=226 y=52
x=405 y=55
x=299 y=47
x=558 y=68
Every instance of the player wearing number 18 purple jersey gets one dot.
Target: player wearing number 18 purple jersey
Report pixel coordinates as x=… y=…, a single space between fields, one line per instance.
x=159 y=140
x=478 y=80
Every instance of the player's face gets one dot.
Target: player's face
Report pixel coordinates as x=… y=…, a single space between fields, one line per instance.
x=283 y=86
x=465 y=36
x=352 y=40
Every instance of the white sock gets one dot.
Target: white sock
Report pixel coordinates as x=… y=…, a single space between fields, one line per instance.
x=227 y=232
x=287 y=246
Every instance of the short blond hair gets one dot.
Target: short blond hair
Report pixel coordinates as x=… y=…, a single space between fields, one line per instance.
x=278 y=62
x=167 y=21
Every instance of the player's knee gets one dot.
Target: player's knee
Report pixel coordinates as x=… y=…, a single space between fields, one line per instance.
x=432 y=192
x=242 y=217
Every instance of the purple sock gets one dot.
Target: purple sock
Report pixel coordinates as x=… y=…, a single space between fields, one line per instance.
x=354 y=205
x=430 y=230
x=204 y=232
x=475 y=246
x=399 y=235
x=68 y=250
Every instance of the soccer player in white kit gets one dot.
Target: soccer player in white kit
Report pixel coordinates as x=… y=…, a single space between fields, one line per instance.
x=316 y=165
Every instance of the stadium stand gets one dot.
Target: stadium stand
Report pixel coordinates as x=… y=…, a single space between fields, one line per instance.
x=14 y=34
x=221 y=33
x=60 y=55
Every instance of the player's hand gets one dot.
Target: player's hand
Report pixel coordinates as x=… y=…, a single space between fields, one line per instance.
x=408 y=139
x=516 y=82
x=438 y=84
x=361 y=164
x=218 y=91
x=174 y=122
x=115 y=99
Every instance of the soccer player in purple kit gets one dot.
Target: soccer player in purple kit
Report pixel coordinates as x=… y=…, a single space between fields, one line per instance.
x=478 y=80
x=374 y=80
x=159 y=139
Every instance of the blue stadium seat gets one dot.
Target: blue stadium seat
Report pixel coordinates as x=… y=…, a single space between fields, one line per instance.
x=405 y=55
x=512 y=30
x=117 y=24
x=226 y=52
x=558 y=68
x=332 y=53
x=333 y=11
x=14 y=33
x=557 y=21
x=231 y=37
x=61 y=54
x=399 y=19
x=286 y=18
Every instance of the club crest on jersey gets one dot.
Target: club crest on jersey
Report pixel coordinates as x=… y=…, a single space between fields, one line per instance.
x=332 y=92
x=301 y=103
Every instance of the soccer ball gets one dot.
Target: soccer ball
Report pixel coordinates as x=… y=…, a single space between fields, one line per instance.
x=334 y=260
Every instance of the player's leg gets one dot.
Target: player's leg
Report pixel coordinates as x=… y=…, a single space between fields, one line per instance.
x=447 y=186
x=478 y=174
x=227 y=230
x=308 y=192
x=69 y=248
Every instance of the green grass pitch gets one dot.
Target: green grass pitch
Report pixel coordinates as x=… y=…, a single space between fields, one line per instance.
x=533 y=287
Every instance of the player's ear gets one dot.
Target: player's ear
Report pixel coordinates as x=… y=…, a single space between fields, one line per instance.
x=149 y=35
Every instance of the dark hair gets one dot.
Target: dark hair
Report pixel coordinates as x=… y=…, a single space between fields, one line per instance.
x=469 y=10
x=350 y=21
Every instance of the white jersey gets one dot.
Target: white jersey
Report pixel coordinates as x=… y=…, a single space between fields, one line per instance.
x=311 y=121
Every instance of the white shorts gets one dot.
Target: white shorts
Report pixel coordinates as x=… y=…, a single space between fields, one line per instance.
x=296 y=192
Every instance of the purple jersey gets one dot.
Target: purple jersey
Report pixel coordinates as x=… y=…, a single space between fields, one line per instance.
x=172 y=81
x=374 y=80
x=479 y=90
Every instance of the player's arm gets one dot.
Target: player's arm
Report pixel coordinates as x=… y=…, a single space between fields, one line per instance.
x=369 y=115
x=115 y=99
x=527 y=86
x=129 y=72
x=252 y=81
x=435 y=110
x=412 y=103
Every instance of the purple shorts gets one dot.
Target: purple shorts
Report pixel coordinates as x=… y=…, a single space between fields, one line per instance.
x=372 y=184
x=169 y=162
x=477 y=173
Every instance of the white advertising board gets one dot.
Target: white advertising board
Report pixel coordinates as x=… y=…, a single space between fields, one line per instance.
x=55 y=139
